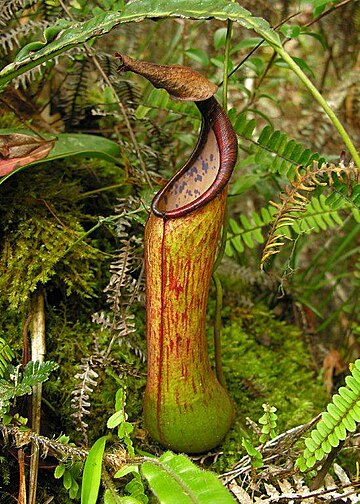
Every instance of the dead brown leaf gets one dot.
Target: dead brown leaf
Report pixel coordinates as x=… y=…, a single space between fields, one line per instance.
x=333 y=365
x=18 y=149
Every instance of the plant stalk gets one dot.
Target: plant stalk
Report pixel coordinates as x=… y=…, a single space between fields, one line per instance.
x=37 y=354
x=227 y=63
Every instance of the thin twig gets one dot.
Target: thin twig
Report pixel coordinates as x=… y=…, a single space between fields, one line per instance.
x=22 y=437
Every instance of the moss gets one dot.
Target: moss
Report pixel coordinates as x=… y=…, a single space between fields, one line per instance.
x=69 y=343
x=265 y=361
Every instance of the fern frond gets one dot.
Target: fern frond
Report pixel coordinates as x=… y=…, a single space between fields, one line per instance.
x=345 y=192
x=273 y=149
x=249 y=232
x=126 y=282
x=341 y=416
x=74 y=92
x=21 y=384
x=127 y=91
x=159 y=99
x=6 y=356
x=10 y=38
x=27 y=78
x=293 y=203
x=80 y=401
x=9 y=9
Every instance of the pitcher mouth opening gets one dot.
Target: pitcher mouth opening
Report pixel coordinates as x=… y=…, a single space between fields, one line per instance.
x=206 y=172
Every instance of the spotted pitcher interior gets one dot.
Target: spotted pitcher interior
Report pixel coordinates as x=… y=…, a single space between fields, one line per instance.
x=196 y=180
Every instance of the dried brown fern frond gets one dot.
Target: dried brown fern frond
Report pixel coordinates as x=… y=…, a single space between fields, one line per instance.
x=293 y=202
x=126 y=285
x=80 y=402
x=9 y=9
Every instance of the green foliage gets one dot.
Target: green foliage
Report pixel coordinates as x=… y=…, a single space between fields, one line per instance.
x=69 y=471
x=119 y=420
x=21 y=383
x=174 y=478
x=260 y=352
x=64 y=35
x=254 y=454
x=6 y=356
x=293 y=203
x=268 y=423
x=42 y=226
x=70 y=144
x=135 y=487
x=92 y=472
x=272 y=150
x=341 y=416
x=249 y=232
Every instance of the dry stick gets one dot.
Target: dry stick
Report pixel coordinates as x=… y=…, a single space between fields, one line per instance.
x=25 y=345
x=118 y=101
x=315 y=484
x=21 y=437
x=37 y=354
x=22 y=479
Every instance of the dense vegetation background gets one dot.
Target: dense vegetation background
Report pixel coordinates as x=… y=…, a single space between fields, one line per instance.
x=71 y=228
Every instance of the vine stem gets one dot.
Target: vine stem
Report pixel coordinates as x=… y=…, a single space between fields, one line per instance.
x=226 y=63
x=322 y=102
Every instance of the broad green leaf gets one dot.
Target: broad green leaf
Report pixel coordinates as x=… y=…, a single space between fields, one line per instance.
x=175 y=479
x=72 y=144
x=291 y=31
x=74 y=34
x=198 y=55
x=92 y=472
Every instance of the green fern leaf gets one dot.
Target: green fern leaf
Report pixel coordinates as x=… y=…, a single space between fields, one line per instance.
x=6 y=356
x=273 y=150
x=247 y=233
x=341 y=416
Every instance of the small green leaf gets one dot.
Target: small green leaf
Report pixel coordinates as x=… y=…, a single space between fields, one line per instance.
x=301 y=464
x=92 y=472
x=219 y=38
x=67 y=480
x=59 y=471
x=349 y=423
x=198 y=55
x=115 y=419
x=311 y=445
x=333 y=439
x=290 y=31
x=127 y=469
